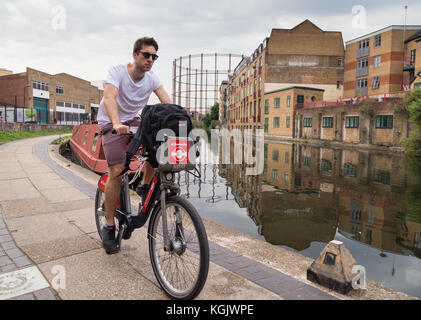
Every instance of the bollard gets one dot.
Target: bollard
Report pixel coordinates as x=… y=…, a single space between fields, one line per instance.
x=333 y=268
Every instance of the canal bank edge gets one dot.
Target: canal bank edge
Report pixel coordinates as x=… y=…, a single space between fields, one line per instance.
x=289 y=263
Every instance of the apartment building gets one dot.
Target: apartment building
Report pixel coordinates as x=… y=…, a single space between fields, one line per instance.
x=378 y=63
x=59 y=98
x=4 y=72
x=304 y=56
x=412 y=61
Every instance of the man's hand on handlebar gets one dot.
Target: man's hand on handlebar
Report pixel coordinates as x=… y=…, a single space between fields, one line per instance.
x=121 y=129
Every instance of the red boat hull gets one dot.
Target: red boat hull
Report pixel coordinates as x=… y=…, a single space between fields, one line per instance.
x=87 y=146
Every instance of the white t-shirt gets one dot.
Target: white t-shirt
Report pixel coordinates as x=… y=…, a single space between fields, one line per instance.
x=132 y=97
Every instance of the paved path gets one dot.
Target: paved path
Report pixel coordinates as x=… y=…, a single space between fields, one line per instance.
x=48 y=239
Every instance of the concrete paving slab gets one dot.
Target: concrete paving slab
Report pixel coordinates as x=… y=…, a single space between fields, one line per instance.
x=36 y=168
x=25 y=207
x=63 y=194
x=51 y=184
x=73 y=205
x=94 y=275
x=84 y=219
x=41 y=228
x=20 y=282
x=18 y=189
x=9 y=166
x=12 y=175
x=56 y=249
x=40 y=177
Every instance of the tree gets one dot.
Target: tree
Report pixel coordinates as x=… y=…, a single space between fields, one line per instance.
x=215 y=111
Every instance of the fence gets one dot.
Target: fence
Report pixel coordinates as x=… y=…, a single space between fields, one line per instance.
x=13 y=114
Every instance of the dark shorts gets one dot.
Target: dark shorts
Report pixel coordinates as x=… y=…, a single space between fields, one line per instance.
x=115 y=145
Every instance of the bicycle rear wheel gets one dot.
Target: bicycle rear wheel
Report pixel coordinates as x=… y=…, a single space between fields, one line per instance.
x=182 y=270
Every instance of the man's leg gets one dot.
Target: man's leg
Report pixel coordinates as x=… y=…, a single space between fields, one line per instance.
x=148 y=173
x=112 y=191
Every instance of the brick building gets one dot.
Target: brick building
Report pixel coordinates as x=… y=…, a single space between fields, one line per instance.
x=412 y=61
x=59 y=98
x=304 y=56
x=376 y=63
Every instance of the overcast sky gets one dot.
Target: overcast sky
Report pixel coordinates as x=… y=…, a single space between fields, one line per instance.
x=96 y=34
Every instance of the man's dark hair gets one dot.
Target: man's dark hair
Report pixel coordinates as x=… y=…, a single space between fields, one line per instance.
x=145 y=41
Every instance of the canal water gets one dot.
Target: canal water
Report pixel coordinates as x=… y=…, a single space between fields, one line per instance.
x=307 y=196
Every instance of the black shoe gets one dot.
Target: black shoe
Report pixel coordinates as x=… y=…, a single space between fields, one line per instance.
x=109 y=241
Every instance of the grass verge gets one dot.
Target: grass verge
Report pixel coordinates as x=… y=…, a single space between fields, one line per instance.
x=7 y=136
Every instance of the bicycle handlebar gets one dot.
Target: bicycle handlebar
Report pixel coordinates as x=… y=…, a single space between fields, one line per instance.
x=123 y=134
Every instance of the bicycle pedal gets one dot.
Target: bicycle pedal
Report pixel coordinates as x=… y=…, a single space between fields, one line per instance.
x=112 y=252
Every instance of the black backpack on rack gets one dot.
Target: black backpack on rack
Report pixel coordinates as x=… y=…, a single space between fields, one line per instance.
x=153 y=119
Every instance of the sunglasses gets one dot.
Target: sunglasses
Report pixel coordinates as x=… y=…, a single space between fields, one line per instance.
x=147 y=55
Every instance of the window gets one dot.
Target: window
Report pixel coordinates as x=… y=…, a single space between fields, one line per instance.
x=340 y=62
x=377 y=41
x=300 y=99
x=59 y=90
x=277 y=102
x=40 y=85
x=68 y=105
x=82 y=106
x=376 y=61
x=368 y=236
x=275 y=155
x=327 y=122
x=384 y=122
x=94 y=143
x=86 y=137
x=286 y=157
x=288 y=122
x=326 y=165
x=308 y=122
x=370 y=217
x=276 y=122
x=266 y=124
x=350 y=170
x=375 y=82
x=381 y=176
x=362 y=83
x=266 y=150
x=286 y=178
x=417 y=240
x=275 y=174
x=352 y=122
x=339 y=85
x=59 y=104
x=265 y=170
x=288 y=101
x=75 y=106
x=413 y=54
x=362 y=63
x=306 y=161
x=364 y=43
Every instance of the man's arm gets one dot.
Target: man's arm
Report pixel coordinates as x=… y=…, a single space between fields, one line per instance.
x=110 y=94
x=162 y=95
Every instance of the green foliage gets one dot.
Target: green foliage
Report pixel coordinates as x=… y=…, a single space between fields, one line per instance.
x=7 y=136
x=210 y=120
x=399 y=105
x=368 y=107
x=414 y=106
x=413 y=144
x=60 y=140
x=30 y=113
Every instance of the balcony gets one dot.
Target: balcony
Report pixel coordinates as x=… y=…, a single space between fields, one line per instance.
x=362 y=72
x=361 y=91
x=363 y=52
x=408 y=64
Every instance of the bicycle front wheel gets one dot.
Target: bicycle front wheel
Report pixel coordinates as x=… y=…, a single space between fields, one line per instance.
x=181 y=269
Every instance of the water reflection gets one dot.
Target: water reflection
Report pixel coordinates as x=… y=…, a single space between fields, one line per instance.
x=308 y=196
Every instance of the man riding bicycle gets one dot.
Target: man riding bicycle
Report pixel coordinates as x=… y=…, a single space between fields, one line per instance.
x=126 y=92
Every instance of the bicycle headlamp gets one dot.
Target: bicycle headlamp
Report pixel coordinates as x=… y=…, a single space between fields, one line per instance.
x=169 y=176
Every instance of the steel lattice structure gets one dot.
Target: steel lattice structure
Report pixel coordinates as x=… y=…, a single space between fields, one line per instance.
x=196 y=79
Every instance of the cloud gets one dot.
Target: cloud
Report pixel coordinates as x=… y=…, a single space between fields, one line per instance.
x=101 y=33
